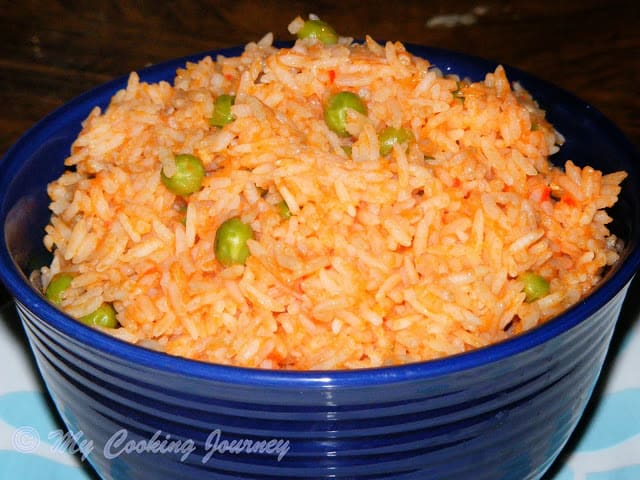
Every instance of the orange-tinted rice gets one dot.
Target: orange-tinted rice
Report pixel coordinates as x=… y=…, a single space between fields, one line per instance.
x=384 y=260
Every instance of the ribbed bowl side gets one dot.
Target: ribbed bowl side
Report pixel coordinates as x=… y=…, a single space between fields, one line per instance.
x=507 y=419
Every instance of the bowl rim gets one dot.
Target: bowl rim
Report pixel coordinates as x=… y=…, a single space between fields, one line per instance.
x=27 y=297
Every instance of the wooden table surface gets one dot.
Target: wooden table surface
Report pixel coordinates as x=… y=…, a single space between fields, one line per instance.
x=52 y=51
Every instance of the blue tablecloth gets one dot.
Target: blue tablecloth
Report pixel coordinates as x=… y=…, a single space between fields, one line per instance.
x=606 y=445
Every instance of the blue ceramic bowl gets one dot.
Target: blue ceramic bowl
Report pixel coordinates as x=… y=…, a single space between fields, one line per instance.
x=503 y=411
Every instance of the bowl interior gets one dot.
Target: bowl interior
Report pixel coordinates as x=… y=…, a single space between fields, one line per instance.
x=37 y=158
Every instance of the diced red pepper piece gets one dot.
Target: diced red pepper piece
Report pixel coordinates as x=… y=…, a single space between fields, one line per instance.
x=569 y=200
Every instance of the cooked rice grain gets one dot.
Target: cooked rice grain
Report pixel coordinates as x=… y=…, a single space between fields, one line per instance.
x=385 y=260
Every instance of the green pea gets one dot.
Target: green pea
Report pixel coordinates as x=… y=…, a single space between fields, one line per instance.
x=188 y=176
x=390 y=136
x=457 y=93
x=283 y=209
x=57 y=286
x=319 y=30
x=535 y=286
x=222 y=111
x=335 y=111
x=230 y=245
x=103 y=316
